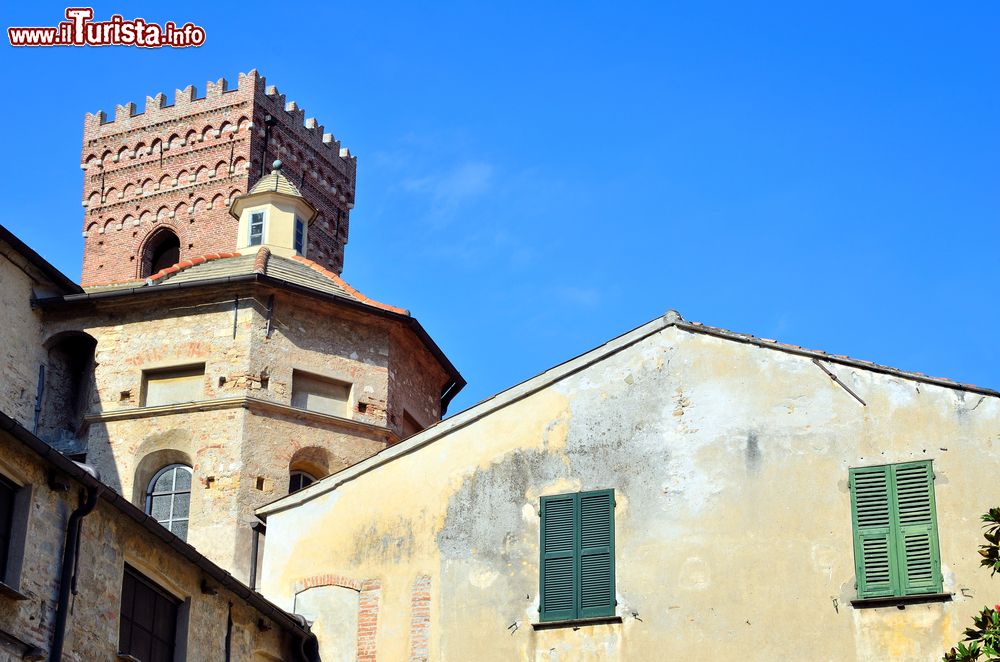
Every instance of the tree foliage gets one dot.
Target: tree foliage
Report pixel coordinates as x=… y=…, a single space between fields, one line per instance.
x=982 y=641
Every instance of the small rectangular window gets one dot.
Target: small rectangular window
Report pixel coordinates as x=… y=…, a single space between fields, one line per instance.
x=577 y=564
x=148 y=623
x=173 y=385
x=15 y=508
x=320 y=394
x=256 y=228
x=411 y=425
x=300 y=235
x=8 y=492
x=894 y=517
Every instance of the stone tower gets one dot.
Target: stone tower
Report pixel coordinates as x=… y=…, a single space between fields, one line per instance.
x=158 y=184
x=216 y=360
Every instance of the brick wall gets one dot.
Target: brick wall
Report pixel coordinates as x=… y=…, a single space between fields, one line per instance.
x=368 y=607
x=179 y=166
x=420 y=619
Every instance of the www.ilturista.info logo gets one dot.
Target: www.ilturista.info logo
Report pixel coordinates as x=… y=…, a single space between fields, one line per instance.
x=80 y=30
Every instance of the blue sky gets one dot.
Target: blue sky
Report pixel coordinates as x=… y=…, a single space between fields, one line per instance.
x=534 y=179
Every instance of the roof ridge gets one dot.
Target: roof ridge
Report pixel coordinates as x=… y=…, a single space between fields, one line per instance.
x=260 y=262
x=347 y=287
x=187 y=263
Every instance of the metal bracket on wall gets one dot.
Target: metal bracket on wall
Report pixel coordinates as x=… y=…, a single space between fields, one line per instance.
x=839 y=382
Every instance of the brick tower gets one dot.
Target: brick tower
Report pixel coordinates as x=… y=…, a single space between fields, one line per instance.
x=158 y=184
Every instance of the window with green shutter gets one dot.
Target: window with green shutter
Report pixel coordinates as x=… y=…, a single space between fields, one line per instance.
x=578 y=556
x=896 y=549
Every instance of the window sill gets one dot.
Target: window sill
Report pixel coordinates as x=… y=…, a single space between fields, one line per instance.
x=11 y=593
x=899 y=600
x=576 y=624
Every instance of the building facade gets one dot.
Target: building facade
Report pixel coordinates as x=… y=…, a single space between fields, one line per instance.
x=158 y=184
x=682 y=492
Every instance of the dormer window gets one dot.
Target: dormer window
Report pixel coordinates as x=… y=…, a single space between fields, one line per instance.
x=256 y=228
x=300 y=235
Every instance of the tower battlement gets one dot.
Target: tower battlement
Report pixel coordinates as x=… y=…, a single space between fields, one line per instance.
x=171 y=171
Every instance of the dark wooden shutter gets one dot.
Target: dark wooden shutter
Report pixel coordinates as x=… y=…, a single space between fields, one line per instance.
x=918 y=554
x=874 y=543
x=559 y=558
x=597 y=558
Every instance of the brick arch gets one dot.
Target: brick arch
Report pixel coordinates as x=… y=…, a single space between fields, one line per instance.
x=145 y=185
x=174 y=140
x=182 y=177
x=243 y=123
x=206 y=132
x=161 y=213
x=191 y=136
x=179 y=209
x=198 y=205
x=140 y=149
x=216 y=201
x=239 y=165
x=226 y=127
x=128 y=220
x=201 y=173
x=122 y=152
x=109 y=224
x=105 y=154
x=327 y=579
x=94 y=199
x=146 y=217
x=165 y=181
x=110 y=194
x=221 y=169
x=128 y=189
x=149 y=245
x=91 y=226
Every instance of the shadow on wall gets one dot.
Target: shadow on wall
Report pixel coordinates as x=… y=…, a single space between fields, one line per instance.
x=67 y=389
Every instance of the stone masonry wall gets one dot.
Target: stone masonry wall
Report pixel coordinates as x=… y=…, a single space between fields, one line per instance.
x=240 y=457
x=109 y=540
x=21 y=350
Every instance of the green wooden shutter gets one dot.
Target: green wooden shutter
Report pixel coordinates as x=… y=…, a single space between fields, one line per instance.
x=559 y=557
x=874 y=542
x=597 y=554
x=918 y=555
x=578 y=556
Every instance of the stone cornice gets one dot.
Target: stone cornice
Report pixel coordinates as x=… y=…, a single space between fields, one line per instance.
x=255 y=405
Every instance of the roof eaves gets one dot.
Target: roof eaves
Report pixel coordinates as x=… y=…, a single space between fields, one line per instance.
x=768 y=343
x=43 y=265
x=468 y=416
x=73 y=470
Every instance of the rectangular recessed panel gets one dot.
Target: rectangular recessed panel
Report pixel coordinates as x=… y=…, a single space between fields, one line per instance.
x=558 y=584
x=913 y=485
x=595 y=581
x=875 y=552
x=595 y=520
x=919 y=560
x=558 y=526
x=871 y=495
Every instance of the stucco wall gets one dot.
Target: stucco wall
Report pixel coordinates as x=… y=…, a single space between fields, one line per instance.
x=730 y=469
x=110 y=540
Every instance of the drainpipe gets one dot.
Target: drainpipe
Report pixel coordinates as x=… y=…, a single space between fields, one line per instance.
x=69 y=562
x=308 y=644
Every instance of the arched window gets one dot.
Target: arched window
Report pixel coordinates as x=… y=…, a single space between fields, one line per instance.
x=162 y=249
x=299 y=479
x=168 y=498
